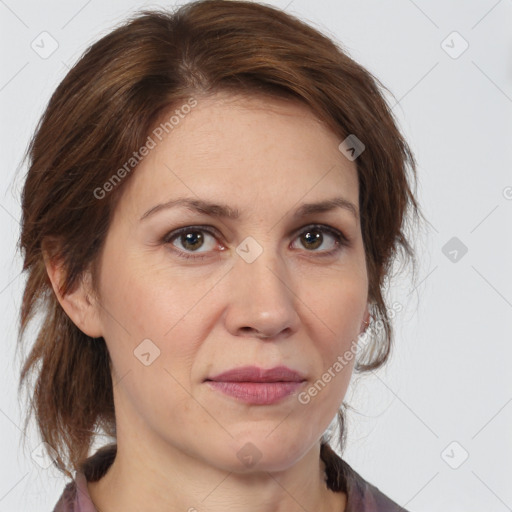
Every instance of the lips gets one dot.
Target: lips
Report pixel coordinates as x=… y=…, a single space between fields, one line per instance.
x=257 y=386
x=256 y=374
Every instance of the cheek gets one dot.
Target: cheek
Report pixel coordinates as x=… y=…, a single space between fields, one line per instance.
x=334 y=313
x=142 y=303
x=340 y=305
x=152 y=330
x=139 y=299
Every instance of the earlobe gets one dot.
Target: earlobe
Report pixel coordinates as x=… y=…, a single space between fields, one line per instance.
x=366 y=320
x=79 y=303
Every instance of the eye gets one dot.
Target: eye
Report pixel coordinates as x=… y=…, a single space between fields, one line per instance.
x=314 y=237
x=192 y=238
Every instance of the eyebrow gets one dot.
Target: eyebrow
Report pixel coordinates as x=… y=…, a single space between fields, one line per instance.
x=225 y=211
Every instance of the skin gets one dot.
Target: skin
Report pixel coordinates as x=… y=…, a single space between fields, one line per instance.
x=178 y=439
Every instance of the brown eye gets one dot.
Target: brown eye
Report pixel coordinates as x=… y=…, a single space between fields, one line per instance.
x=312 y=239
x=190 y=239
x=315 y=237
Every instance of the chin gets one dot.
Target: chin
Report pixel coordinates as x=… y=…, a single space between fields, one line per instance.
x=254 y=453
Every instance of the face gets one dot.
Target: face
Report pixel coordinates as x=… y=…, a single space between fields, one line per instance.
x=187 y=293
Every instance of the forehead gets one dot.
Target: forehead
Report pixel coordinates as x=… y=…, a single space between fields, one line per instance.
x=243 y=151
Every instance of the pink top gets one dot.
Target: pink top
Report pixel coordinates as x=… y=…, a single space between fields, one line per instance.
x=75 y=497
x=361 y=495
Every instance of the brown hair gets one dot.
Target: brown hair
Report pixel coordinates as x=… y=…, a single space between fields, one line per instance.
x=104 y=109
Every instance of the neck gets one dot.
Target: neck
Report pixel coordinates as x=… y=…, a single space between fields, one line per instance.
x=174 y=480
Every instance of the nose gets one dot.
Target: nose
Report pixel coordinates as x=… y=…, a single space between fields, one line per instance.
x=261 y=300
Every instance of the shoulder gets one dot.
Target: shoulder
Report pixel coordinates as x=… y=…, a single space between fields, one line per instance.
x=67 y=499
x=362 y=496
x=75 y=497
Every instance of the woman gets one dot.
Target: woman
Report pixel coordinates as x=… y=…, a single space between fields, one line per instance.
x=214 y=200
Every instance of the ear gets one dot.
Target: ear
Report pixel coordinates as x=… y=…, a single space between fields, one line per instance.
x=366 y=320
x=79 y=304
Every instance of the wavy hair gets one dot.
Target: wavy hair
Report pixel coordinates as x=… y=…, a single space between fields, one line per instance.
x=103 y=111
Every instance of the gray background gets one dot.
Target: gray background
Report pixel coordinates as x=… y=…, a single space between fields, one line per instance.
x=446 y=393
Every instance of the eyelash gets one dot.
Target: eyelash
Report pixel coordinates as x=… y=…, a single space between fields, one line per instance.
x=341 y=240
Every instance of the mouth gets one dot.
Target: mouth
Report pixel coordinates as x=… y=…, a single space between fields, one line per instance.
x=257 y=374
x=256 y=386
